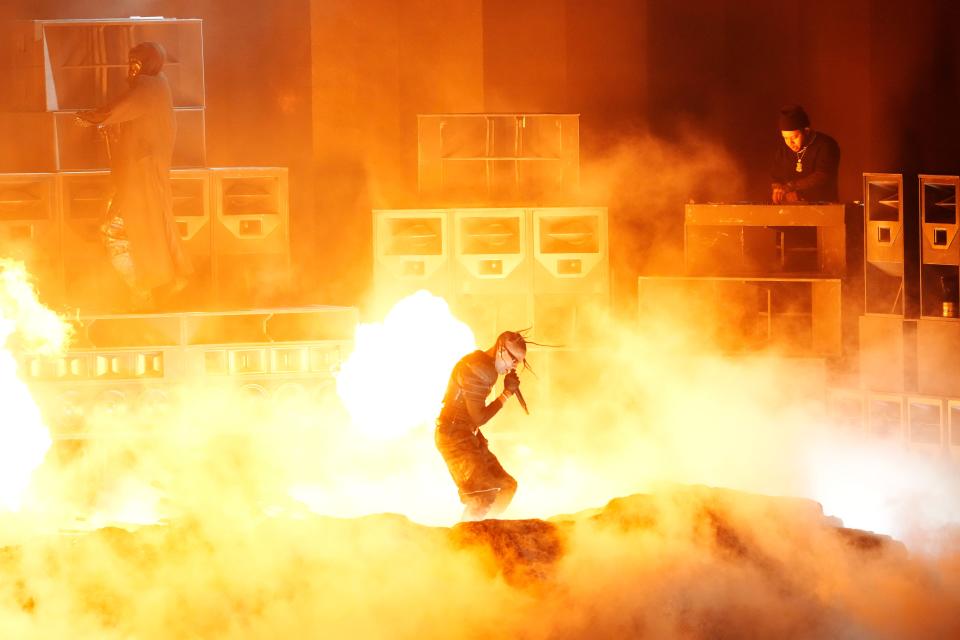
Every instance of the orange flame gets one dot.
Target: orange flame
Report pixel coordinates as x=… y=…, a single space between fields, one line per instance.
x=24 y=439
x=396 y=376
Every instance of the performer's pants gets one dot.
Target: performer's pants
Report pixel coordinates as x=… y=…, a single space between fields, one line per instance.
x=485 y=488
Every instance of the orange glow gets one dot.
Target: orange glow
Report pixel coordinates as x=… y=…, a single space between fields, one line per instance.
x=24 y=439
x=396 y=376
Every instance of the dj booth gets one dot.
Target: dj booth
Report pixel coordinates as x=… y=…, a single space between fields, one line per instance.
x=759 y=277
x=765 y=239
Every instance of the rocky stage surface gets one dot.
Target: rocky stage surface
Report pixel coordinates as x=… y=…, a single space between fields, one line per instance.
x=685 y=562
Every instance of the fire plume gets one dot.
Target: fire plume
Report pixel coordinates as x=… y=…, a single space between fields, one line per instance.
x=24 y=439
x=396 y=376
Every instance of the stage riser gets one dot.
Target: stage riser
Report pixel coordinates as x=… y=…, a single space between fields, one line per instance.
x=85 y=380
x=172 y=363
x=127 y=360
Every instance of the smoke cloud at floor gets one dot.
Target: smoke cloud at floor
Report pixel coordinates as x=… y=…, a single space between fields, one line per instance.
x=224 y=515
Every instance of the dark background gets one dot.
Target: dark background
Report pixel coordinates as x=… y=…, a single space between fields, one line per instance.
x=331 y=89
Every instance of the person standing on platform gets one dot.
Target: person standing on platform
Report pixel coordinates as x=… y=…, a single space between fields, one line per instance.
x=140 y=232
x=484 y=487
x=805 y=166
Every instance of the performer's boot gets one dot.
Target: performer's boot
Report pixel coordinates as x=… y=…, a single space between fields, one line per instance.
x=477 y=504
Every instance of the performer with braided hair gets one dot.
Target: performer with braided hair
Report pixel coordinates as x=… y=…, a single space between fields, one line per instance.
x=485 y=488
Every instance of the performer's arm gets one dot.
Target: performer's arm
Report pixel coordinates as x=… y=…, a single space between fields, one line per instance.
x=480 y=413
x=129 y=106
x=476 y=382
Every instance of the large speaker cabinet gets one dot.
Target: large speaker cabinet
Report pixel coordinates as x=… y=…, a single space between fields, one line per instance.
x=251 y=233
x=492 y=270
x=412 y=251
x=938 y=346
x=571 y=272
x=888 y=351
x=191 y=200
x=883 y=243
x=939 y=246
x=30 y=229
x=71 y=65
x=464 y=156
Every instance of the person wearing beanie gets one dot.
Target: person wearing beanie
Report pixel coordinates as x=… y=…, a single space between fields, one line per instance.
x=140 y=232
x=806 y=164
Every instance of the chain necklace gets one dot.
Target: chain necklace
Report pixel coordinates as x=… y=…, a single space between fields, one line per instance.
x=802 y=152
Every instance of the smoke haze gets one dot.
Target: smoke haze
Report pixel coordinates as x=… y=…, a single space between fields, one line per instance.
x=221 y=514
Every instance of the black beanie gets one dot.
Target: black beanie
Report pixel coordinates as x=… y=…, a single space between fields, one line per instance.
x=793 y=118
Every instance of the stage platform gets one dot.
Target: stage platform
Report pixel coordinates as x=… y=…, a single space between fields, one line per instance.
x=133 y=360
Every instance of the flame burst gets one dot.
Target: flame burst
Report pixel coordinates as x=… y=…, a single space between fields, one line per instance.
x=24 y=438
x=396 y=376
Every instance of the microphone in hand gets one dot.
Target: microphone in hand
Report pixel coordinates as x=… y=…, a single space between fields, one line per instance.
x=511 y=383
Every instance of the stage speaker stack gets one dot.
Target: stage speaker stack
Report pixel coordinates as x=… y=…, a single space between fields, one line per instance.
x=888 y=340
x=938 y=329
x=906 y=365
x=758 y=277
x=251 y=234
x=30 y=229
x=544 y=269
x=520 y=266
x=59 y=67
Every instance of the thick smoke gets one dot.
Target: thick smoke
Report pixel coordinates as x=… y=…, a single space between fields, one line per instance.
x=218 y=514
x=239 y=548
